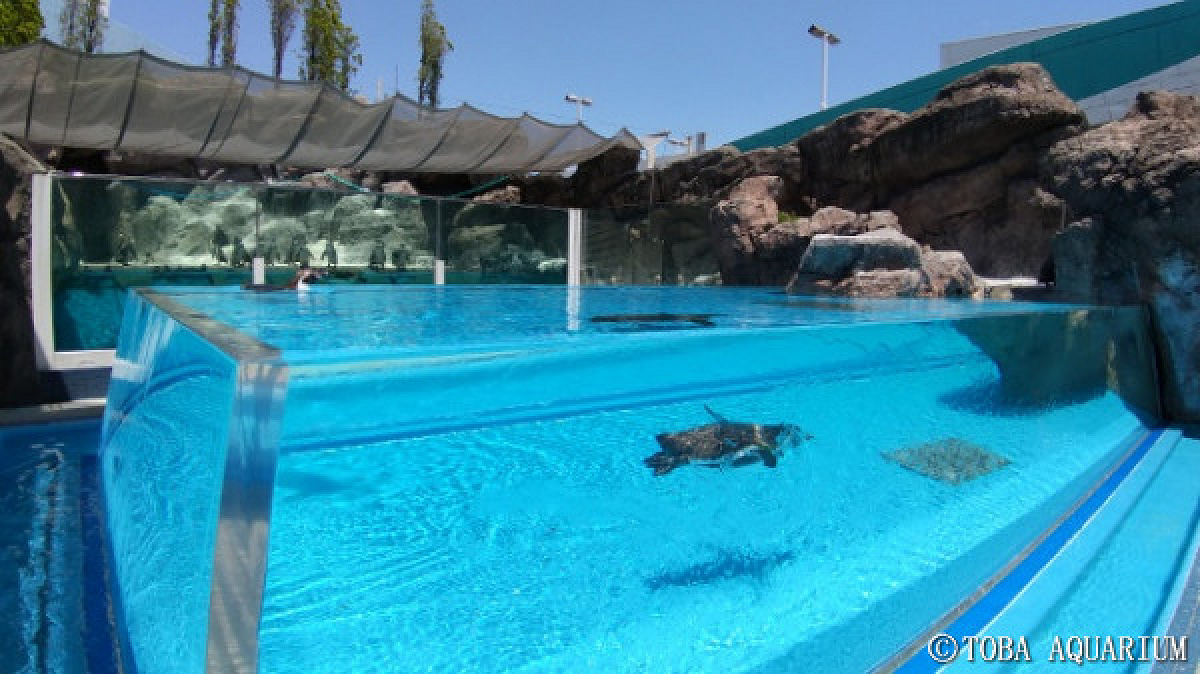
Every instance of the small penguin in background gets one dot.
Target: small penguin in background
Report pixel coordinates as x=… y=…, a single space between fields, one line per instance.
x=330 y=254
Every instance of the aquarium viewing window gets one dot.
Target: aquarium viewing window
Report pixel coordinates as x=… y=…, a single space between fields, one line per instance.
x=96 y=237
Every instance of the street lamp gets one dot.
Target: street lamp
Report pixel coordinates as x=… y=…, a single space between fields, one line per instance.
x=826 y=39
x=650 y=141
x=579 y=102
x=685 y=143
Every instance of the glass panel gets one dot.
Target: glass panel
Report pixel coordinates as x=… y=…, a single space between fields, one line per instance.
x=500 y=462
x=668 y=244
x=361 y=238
x=514 y=492
x=500 y=243
x=165 y=434
x=114 y=234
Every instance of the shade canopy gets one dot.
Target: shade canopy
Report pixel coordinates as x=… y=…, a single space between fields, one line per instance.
x=136 y=102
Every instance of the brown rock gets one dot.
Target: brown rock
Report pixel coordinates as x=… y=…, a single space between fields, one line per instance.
x=400 y=187
x=977 y=211
x=839 y=221
x=972 y=119
x=20 y=383
x=738 y=222
x=948 y=274
x=839 y=157
x=510 y=194
x=1138 y=179
x=881 y=283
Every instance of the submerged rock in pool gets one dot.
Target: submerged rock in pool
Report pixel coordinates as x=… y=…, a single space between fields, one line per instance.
x=950 y=460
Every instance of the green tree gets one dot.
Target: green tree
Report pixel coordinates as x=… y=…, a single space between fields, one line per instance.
x=20 y=22
x=283 y=23
x=434 y=46
x=214 y=31
x=330 y=50
x=83 y=23
x=229 y=33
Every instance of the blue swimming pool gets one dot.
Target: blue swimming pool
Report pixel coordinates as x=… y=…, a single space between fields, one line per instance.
x=52 y=595
x=452 y=479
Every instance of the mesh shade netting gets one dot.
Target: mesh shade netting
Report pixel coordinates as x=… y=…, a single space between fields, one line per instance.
x=174 y=109
x=140 y=103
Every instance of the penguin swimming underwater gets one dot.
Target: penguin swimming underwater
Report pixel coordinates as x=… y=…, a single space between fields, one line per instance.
x=724 y=443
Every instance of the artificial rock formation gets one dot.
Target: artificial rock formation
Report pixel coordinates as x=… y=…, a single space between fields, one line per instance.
x=962 y=173
x=738 y=225
x=881 y=263
x=19 y=381
x=1133 y=189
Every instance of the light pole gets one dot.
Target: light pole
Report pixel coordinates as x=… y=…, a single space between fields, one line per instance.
x=826 y=39
x=650 y=141
x=579 y=102
x=685 y=143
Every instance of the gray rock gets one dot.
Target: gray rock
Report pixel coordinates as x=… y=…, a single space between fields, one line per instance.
x=832 y=256
x=880 y=263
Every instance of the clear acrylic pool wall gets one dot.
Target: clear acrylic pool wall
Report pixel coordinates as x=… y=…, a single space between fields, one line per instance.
x=452 y=479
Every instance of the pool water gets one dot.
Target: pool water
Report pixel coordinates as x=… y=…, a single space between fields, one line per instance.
x=459 y=478
x=358 y=322
x=548 y=546
x=52 y=588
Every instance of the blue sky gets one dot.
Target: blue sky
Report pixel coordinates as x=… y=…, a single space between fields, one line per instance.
x=726 y=67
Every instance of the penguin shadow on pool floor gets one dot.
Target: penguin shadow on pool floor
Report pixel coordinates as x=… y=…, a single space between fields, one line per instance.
x=726 y=564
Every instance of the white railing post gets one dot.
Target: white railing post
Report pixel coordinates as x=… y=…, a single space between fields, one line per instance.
x=439 y=253
x=574 y=246
x=40 y=267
